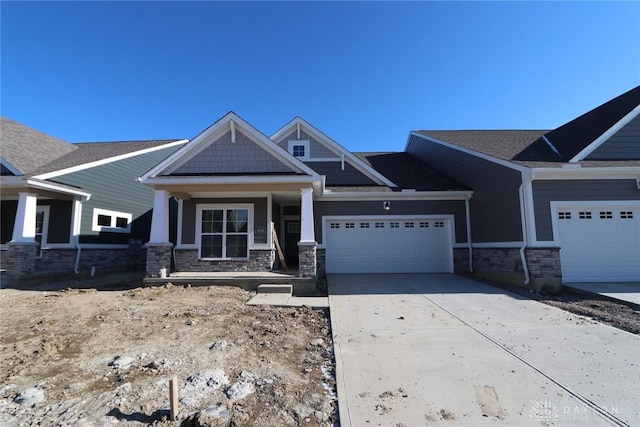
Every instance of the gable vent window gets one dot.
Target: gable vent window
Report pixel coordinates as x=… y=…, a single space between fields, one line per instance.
x=350 y=225
x=408 y=225
x=626 y=215
x=299 y=149
x=335 y=225
x=606 y=215
x=364 y=225
x=111 y=221
x=424 y=224
x=438 y=224
x=379 y=224
x=585 y=215
x=394 y=225
x=564 y=215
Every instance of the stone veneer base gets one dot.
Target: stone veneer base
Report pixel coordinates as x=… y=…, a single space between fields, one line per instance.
x=259 y=260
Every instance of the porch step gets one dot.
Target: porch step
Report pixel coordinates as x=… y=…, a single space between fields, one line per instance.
x=275 y=289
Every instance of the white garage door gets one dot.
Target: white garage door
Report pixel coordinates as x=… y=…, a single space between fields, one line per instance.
x=384 y=245
x=599 y=243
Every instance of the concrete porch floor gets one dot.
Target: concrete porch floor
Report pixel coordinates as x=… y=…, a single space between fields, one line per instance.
x=244 y=279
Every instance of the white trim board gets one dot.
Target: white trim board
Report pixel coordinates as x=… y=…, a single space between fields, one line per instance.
x=108 y=160
x=606 y=135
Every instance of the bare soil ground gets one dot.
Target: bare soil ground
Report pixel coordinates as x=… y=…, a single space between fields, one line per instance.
x=82 y=356
x=619 y=314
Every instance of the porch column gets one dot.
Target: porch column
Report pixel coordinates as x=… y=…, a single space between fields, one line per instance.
x=24 y=228
x=307 y=244
x=22 y=249
x=159 y=248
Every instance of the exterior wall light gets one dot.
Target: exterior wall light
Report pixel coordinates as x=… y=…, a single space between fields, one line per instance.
x=386 y=205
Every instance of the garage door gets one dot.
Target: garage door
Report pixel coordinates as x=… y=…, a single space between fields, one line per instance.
x=384 y=245
x=599 y=243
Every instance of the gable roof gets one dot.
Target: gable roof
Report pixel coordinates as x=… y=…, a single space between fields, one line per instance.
x=333 y=146
x=229 y=123
x=541 y=148
x=25 y=149
x=409 y=173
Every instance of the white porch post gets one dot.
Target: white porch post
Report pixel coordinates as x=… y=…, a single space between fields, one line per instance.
x=307 y=233
x=307 y=265
x=160 y=218
x=24 y=228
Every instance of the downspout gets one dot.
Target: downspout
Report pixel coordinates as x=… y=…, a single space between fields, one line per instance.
x=523 y=220
x=76 y=266
x=469 y=242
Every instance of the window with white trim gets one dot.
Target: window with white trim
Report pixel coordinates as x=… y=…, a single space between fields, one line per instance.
x=224 y=233
x=42 y=227
x=299 y=149
x=111 y=221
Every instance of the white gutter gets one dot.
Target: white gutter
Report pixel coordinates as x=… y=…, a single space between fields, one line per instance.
x=394 y=195
x=469 y=242
x=525 y=236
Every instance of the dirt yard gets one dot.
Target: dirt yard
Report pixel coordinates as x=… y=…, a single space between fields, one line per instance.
x=87 y=357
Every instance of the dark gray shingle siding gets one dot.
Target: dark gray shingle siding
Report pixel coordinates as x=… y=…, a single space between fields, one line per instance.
x=338 y=177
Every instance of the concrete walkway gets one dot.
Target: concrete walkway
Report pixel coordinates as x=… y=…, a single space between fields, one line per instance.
x=629 y=292
x=416 y=350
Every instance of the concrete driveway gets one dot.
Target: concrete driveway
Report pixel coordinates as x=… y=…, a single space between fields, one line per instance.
x=421 y=349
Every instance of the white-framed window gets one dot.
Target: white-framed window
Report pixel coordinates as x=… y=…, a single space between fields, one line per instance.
x=299 y=149
x=111 y=221
x=224 y=231
x=42 y=228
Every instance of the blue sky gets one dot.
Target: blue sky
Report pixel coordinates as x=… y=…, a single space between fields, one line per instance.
x=365 y=73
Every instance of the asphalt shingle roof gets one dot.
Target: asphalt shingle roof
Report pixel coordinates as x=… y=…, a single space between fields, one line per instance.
x=529 y=148
x=407 y=172
x=27 y=149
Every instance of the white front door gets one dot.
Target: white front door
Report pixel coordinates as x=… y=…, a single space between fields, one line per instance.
x=389 y=245
x=599 y=241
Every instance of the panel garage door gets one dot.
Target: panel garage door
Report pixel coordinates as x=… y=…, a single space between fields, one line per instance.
x=389 y=245
x=599 y=243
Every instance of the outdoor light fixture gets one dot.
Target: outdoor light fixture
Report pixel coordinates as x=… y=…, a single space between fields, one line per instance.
x=386 y=205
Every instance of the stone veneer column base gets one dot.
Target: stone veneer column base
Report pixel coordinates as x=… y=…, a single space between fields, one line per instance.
x=21 y=259
x=307 y=264
x=159 y=260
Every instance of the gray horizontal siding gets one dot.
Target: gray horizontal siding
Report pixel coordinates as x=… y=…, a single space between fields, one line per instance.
x=407 y=207
x=495 y=205
x=623 y=145
x=337 y=177
x=223 y=156
x=114 y=186
x=316 y=149
x=544 y=192
x=189 y=215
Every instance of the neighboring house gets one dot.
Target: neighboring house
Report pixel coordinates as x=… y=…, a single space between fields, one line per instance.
x=550 y=206
x=333 y=211
x=67 y=207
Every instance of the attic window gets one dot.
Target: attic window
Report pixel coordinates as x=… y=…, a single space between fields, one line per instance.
x=299 y=149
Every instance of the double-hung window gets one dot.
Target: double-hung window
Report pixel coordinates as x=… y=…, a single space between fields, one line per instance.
x=224 y=233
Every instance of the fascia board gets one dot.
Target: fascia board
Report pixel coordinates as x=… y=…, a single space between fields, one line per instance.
x=627 y=172
x=108 y=160
x=376 y=196
x=606 y=135
x=243 y=179
x=9 y=166
x=22 y=183
x=335 y=148
x=478 y=154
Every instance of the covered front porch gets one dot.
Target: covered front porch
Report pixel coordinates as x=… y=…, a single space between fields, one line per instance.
x=239 y=232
